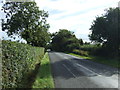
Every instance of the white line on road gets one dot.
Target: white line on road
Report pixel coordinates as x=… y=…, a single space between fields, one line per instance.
x=69 y=70
x=86 y=68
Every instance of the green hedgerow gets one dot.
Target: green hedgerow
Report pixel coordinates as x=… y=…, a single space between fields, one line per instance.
x=18 y=60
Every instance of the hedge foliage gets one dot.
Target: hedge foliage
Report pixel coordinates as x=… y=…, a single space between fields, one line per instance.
x=80 y=52
x=18 y=60
x=89 y=48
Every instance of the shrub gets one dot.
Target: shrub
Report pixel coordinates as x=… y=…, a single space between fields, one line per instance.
x=80 y=52
x=89 y=48
x=105 y=52
x=18 y=60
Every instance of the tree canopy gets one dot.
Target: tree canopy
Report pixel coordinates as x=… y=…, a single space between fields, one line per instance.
x=65 y=40
x=106 y=29
x=26 y=20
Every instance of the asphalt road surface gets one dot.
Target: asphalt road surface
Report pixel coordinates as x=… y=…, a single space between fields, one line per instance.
x=73 y=72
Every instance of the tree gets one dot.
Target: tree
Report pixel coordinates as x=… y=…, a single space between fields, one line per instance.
x=27 y=21
x=64 y=40
x=106 y=29
x=39 y=37
x=81 y=41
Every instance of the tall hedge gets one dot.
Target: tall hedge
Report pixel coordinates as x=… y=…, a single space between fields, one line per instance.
x=18 y=60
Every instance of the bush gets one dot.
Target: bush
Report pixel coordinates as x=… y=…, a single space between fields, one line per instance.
x=80 y=52
x=18 y=60
x=105 y=52
x=89 y=48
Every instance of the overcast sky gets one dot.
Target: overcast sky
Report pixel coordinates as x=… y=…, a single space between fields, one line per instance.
x=74 y=15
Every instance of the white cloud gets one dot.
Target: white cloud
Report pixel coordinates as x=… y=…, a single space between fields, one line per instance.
x=74 y=15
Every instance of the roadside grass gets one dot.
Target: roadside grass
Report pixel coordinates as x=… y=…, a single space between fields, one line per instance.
x=44 y=77
x=103 y=60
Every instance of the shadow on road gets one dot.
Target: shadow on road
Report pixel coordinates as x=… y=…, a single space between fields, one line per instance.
x=74 y=67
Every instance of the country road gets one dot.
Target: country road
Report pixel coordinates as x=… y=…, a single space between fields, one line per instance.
x=73 y=72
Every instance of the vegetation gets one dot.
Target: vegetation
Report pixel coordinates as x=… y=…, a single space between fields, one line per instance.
x=80 y=52
x=114 y=62
x=18 y=60
x=65 y=41
x=44 y=78
x=96 y=53
x=105 y=30
x=26 y=20
x=105 y=33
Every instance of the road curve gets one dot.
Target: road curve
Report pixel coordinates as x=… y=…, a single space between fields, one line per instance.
x=73 y=72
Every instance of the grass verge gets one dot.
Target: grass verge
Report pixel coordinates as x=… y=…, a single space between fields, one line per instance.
x=104 y=60
x=44 y=77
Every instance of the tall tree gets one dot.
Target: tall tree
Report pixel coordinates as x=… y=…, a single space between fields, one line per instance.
x=106 y=29
x=64 y=40
x=26 y=20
